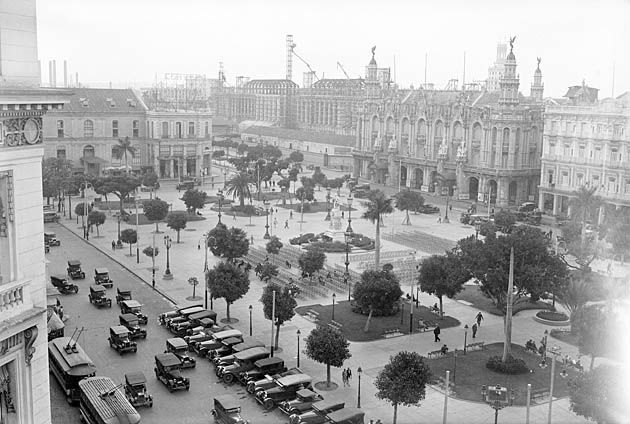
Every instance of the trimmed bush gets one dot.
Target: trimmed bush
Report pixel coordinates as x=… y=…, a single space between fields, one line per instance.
x=305 y=238
x=328 y=247
x=511 y=366
x=307 y=207
x=552 y=316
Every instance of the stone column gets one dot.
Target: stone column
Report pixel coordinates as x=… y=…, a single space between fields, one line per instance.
x=555 y=205
x=172 y=166
x=541 y=201
x=425 y=179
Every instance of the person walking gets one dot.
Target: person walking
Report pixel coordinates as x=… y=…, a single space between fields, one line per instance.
x=114 y=245
x=436 y=333
x=479 y=318
x=344 y=377
x=275 y=223
x=439 y=220
x=286 y=224
x=349 y=375
x=474 y=330
x=290 y=214
x=251 y=240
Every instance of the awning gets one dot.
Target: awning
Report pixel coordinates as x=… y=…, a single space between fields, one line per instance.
x=93 y=159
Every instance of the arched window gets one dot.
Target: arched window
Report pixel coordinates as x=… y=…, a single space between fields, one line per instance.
x=88 y=128
x=88 y=151
x=421 y=138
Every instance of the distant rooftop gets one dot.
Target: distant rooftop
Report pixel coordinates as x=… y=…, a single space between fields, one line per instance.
x=300 y=135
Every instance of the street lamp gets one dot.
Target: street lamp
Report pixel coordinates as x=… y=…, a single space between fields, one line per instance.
x=346 y=276
x=327 y=204
x=448 y=196
x=224 y=177
x=555 y=351
x=359 y=371
x=477 y=228
x=250 y=320
x=349 y=229
x=266 y=236
x=465 y=336
x=333 y=310
x=167 y=243
x=137 y=231
x=298 y=332
x=497 y=397
x=221 y=198
x=544 y=350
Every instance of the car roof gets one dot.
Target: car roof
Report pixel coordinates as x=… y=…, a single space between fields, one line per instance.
x=191 y=310
x=251 y=353
x=306 y=393
x=129 y=317
x=268 y=361
x=177 y=342
x=231 y=341
x=74 y=262
x=59 y=276
x=101 y=270
x=132 y=303
x=168 y=359
x=203 y=314
x=227 y=333
x=136 y=377
x=248 y=344
x=206 y=322
x=329 y=405
x=119 y=329
x=227 y=401
x=294 y=379
x=123 y=291
x=49 y=234
x=97 y=288
x=346 y=414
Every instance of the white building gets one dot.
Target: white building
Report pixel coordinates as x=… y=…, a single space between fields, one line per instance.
x=24 y=388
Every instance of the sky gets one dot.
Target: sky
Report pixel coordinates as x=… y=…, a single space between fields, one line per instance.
x=130 y=42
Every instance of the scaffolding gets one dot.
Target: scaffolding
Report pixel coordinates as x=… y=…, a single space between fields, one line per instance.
x=180 y=92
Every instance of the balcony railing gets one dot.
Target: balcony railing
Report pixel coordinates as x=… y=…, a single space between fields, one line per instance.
x=14 y=298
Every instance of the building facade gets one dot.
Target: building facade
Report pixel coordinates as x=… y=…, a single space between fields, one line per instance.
x=24 y=385
x=585 y=143
x=471 y=144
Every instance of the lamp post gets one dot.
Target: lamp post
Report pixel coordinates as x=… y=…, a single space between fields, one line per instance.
x=221 y=198
x=224 y=177
x=250 y=320
x=448 y=196
x=554 y=351
x=153 y=263
x=465 y=337
x=477 y=228
x=167 y=243
x=544 y=353
x=266 y=236
x=327 y=204
x=359 y=371
x=298 y=332
x=402 y=311
x=349 y=229
x=137 y=231
x=346 y=276
x=497 y=397
x=334 y=296
x=273 y=319
x=411 y=311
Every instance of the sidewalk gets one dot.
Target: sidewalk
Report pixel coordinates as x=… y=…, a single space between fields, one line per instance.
x=186 y=261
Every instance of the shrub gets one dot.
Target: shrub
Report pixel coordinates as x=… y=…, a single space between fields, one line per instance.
x=303 y=239
x=328 y=247
x=511 y=366
x=307 y=207
x=245 y=209
x=552 y=316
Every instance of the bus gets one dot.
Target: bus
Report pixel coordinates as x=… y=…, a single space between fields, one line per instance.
x=102 y=402
x=69 y=364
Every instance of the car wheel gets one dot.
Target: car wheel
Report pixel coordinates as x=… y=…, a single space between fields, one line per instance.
x=228 y=378
x=187 y=387
x=269 y=404
x=76 y=289
x=170 y=389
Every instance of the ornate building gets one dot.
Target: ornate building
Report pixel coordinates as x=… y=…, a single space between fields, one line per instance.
x=24 y=386
x=471 y=144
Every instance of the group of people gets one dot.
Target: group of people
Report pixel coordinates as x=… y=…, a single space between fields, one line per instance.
x=346 y=376
x=475 y=328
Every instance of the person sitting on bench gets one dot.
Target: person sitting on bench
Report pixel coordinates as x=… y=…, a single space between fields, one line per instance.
x=435 y=308
x=444 y=350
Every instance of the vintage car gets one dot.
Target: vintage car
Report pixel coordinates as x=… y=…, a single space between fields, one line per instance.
x=133 y=325
x=183 y=316
x=133 y=307
x=227 y=347
x=164 y=317
x=262 y=367
x=50 y=215
x=205 y=324
x=244 y=361
x=167 y=370
x=303 y=401
x=428 y=209
x=119 y=339
x=61 y=283
x=204 y=319
x=50 y=239
x=220 y=359
x=286 y=388
x=203 y=348
x=346 y=416
x=197 y=338
x=136 y=389
x=269 y=381
x=97 y=296
x=315 y=413
x=185 y=185
x=122 y=295
x=74 y=270
x=227 y=410
x=179 y=347
x=101 y=277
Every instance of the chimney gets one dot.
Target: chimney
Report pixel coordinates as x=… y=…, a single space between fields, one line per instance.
x=76 y=79
x=54 y=81
x=65 y=73
x=50 y=74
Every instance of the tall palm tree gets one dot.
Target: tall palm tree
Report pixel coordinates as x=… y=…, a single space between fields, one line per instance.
x=122 y=149
x=584 y=203
x=377 y=206
x=238 y=186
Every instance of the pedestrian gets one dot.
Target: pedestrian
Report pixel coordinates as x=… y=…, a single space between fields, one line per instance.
x=286 y=224
x=60 y=312
x=349 y=375
x=198 y=246
x=290 y=214
x=275 y=223
x=609 y=269
x=344 y=377
x=474 y=330
x=450 y=207
x=114 y=245
x=234 y=215
x=251 y=240
x=479 y=318
x=439 y=220
x=436 y=332
x=342 y=215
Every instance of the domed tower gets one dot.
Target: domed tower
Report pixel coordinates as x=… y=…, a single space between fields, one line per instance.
x=536 y=92
x=371 y=77
x=510 y=82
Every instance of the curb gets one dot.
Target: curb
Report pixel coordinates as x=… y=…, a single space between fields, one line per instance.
x=113 y=258
x=552 y=323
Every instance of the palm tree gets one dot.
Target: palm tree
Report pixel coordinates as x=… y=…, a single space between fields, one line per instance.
x=122 y=149
x=575 y=295
x=377 y=206
x=584 y=202
x=238 y=186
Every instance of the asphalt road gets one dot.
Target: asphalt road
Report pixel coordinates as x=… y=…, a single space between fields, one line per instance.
x=182 y=407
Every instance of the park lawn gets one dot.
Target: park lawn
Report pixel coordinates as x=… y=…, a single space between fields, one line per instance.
x=317 y=206
x=142 y=220
x=471 y=374
x=473 y=294
x=353 y=323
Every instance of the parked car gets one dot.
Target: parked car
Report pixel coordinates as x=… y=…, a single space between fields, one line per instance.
x=179 y=347
x=120 y=341
x=101 y=277
x=286 y=388
x=167 y=370
x=227 y=345
x=303 y=401
x=131 y=322
x=527 y=207
x=197 y=338
x=183 y=316
x=185 y=185
x=180 y=328
x=428 y=209
x=97 y=296
x=122 y=295
x=51 y=216
x=136 y=389
x=244 y=361
x=227 y=410
x=50 y=239
x=62 y=285
x=268 y=381
x=262 y=367
x=165 y=317
x=74 y=270
x=346 y=416
x=134 y=307
x=316 y=413
x=203 y=348
x=247 y=344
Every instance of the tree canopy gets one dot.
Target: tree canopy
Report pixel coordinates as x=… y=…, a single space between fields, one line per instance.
x=155 y=210
x=274 y=245
x=327 y=346
x=403 y=381
x=227 y=281
x=119 y=186
x=227 y=243
x=285 y=305
x=123 y=149
x=177 y=222
x=238 y=187
x=442 y=275
x=194 y=199
x=296 y=157
x=311 y=262
x=378 y=290
x=408 y=200
x=266 y=271
x=592 y=325
x=149 y=179
x=96 y=218
x=55 y=173
x=82 y=208
x=505 y=220
x=129 y=236
x=378 y=205
x=600 y=396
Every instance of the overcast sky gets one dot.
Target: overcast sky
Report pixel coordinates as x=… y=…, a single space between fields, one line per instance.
x=130 y=41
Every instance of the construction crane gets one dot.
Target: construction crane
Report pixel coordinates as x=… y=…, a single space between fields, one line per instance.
x=291 y=46
x=343 y=70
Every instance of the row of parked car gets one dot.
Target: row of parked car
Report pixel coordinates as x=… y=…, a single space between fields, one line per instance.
x=243 y=360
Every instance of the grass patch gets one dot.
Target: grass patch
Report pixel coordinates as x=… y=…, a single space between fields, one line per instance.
x=142 y=219
x=474 y=295
x=353 y=323
x=471 y=373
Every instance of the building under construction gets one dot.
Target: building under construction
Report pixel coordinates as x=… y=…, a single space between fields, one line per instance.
x=181 y=92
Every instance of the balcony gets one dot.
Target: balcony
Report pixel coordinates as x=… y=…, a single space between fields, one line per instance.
x=15 y=298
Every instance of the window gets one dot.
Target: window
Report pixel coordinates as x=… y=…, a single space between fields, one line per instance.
x=612 y=185
x=579 y=180
x=60 y=131
x=552 y=148
x=582 y=151
x=550 y=177
x=178 y=129
x=207 y=129
x=165 y=130
x=567 y=151
x=614 y=155
x=554 y=126
x=88 y=128
x=135 y=129
x=565 y=178
x=598 y=153
x=627 y=186
x=582 y=129
x=595 y=180
x=178 y=150
x=165 y=150
x=191 y=129
x=115 y=129
x=88 y=152
x=61 y=152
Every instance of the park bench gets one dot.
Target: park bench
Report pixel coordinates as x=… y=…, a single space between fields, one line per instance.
x=424 y=326
x=475 y=346
x=434 y=354
x=540 y=395
x=312 y=315
x=335 y=325
x=392 y=332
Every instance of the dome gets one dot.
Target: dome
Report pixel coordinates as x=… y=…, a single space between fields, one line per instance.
x=372 y=62
x=537 y=72
x=511 y=56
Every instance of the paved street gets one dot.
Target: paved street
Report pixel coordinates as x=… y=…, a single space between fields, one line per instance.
x=187 y=260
